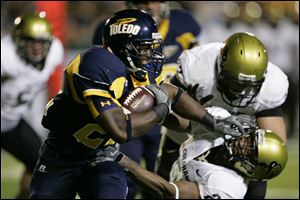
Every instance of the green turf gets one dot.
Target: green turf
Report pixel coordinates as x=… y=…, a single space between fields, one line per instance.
x=11 y=170
x=285 y=186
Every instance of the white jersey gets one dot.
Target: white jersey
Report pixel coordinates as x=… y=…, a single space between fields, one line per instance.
x=214 y=181
x=198 y=65
x=24 y=91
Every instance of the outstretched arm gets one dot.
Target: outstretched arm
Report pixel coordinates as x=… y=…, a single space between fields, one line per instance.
x=158 y=185
x=187 y=107
x=272 y=119
x=150 y=181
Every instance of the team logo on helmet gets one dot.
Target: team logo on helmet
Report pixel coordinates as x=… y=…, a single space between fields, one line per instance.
x=123 y=26
x=274 y=168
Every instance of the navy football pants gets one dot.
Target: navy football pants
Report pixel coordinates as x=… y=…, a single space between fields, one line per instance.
x=57 y=177
x=144 y=147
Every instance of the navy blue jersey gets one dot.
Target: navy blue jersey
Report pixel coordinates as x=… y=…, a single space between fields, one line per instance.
x=179 y=32
x=96 y=74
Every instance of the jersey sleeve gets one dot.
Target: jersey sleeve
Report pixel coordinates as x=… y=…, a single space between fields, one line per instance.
x=96 y=73
x=223 y=185
x=189 y=30
x=195 y=66
x=274 y=90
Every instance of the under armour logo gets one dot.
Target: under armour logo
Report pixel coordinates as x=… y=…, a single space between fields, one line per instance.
x=42 y=168
x=105 y=103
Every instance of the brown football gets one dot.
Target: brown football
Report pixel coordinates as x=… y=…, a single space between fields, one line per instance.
x=139 y=100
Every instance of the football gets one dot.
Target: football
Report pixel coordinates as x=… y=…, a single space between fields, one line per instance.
x=139 y=100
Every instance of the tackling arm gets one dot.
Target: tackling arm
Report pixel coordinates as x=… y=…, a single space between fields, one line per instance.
x=187 y=107
x=275 y=124
x=272 y=119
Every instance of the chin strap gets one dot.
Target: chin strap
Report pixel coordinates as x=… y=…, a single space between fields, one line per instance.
x=138 y=73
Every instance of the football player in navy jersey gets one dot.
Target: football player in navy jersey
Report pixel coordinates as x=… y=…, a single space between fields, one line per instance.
x=179 y=31
x=86 y=115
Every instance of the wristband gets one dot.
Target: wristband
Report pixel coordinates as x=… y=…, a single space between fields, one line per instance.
x=177 y=190
x=119 y=157
x=161 y=111
x=128 y=127
x=178 y=94
x=208 y=120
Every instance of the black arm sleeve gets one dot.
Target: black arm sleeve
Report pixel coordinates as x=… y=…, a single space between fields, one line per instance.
x=270 y=112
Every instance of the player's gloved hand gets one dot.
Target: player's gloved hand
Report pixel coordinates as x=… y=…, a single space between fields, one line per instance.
x=192 y=90
x=108 y=153
x=247 y=121
x=161 y=95
x=227 y=126
x=163 y=102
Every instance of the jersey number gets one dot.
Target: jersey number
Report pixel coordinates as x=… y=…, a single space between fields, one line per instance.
x=82 y=136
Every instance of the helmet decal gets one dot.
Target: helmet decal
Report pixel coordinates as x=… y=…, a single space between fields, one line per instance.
x=246 y=77
x=274 y=168
x=123 y=26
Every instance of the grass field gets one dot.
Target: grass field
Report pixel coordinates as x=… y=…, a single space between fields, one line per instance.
x=285 y=186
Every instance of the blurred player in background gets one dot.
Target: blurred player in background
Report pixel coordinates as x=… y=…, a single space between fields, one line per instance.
x=29 y=56
x=211 y=166
x=179 y=31
x=277 y=23
x=237 y=76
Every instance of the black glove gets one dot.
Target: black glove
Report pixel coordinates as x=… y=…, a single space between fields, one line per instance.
x=192 y=91
x=108 y=153
x=228 y=126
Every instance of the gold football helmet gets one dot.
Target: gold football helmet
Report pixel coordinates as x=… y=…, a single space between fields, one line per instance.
x=242 y=64
x=32 y=34
x=258 y=155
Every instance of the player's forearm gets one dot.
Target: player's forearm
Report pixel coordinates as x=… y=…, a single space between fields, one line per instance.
x=148 y=180
x=275 y=124
x=142 y=122
x=177 y=123
x=123 y=127
x=186 y=106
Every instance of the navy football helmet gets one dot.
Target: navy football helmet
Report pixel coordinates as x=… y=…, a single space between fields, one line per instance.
x=132 y=36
